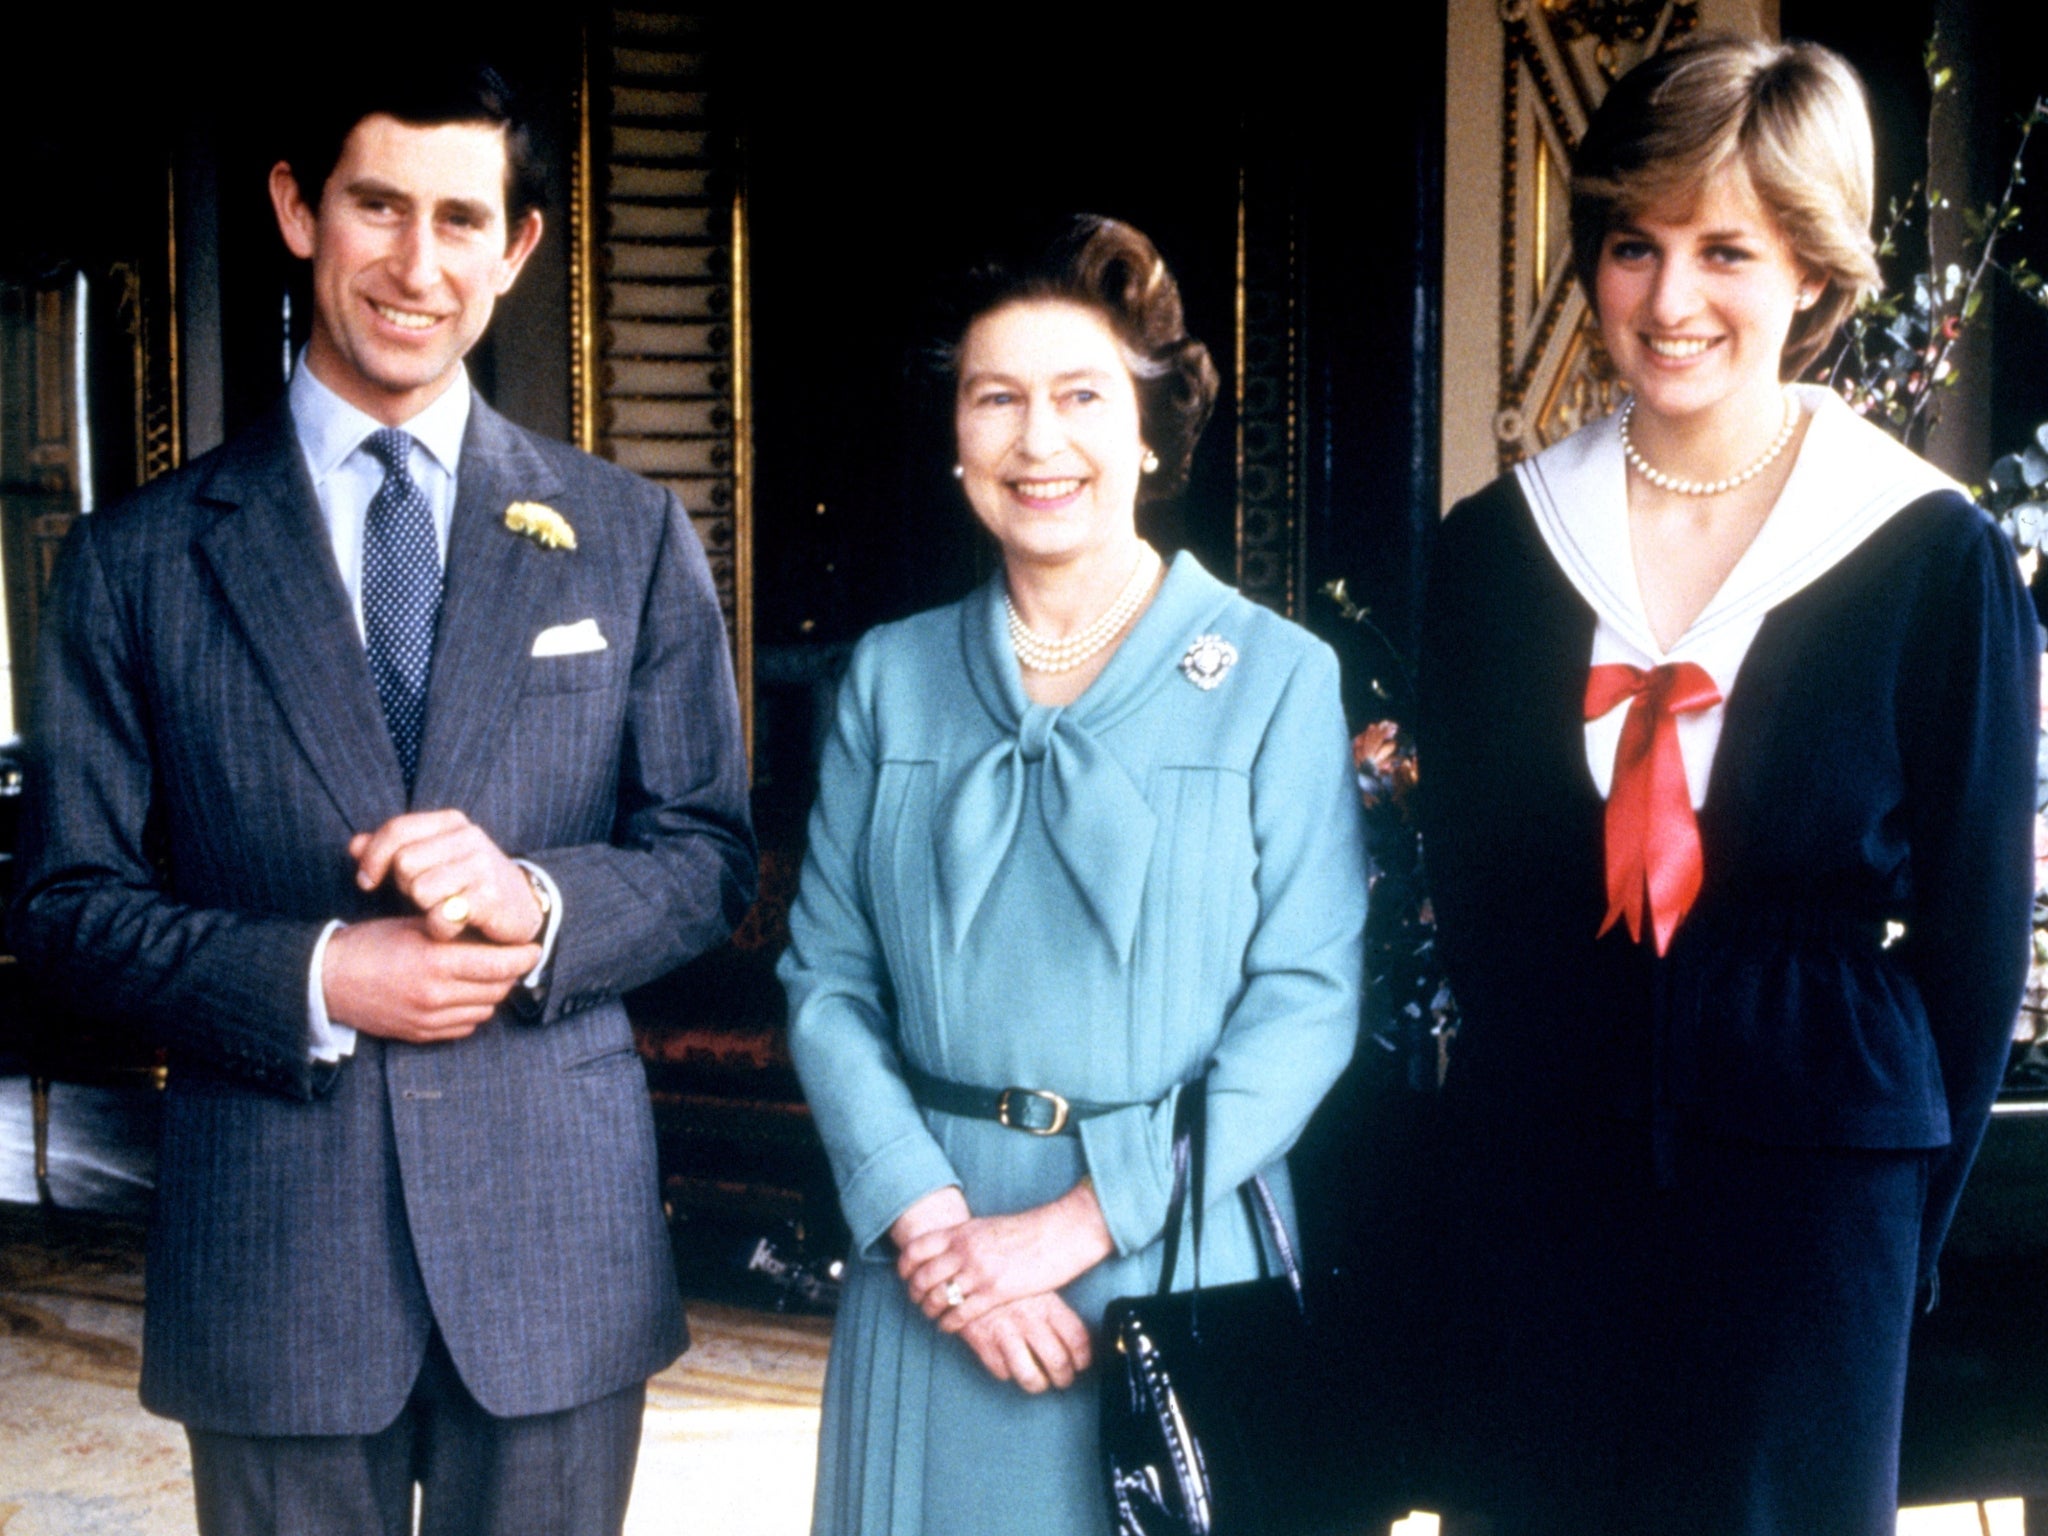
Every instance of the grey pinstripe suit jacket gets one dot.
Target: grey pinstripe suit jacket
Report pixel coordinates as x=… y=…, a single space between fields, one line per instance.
x=206 y=740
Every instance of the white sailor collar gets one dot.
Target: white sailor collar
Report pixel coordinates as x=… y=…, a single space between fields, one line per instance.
x=1849 y=480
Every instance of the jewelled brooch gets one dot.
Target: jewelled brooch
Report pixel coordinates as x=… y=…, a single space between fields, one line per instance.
x=540 y=523
x=1207 y=660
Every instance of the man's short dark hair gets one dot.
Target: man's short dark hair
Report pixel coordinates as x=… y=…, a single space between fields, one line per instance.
x=426 y=93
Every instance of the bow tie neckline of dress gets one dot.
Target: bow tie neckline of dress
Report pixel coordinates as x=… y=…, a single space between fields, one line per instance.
x=1095 y=814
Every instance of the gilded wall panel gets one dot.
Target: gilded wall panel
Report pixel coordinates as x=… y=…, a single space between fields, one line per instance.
x=1526 y=368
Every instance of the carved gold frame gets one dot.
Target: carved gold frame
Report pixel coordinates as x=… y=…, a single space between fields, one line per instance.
x=1266 y=385
x=1552 y=373
x=583 y=318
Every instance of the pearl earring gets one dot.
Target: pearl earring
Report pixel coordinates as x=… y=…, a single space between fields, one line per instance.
x=1150 y=463
x=959 y=471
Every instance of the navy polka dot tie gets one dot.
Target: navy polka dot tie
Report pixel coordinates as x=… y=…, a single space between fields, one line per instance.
x=401 y=593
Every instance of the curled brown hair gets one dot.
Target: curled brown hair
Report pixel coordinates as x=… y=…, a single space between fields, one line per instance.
x=1792 y=115
x=1108 y=267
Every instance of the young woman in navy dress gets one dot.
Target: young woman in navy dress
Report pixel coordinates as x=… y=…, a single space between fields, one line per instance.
x=1728 y=754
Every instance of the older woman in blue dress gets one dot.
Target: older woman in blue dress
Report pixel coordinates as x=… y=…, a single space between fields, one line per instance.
x=1079 y=838
x=1728 y=758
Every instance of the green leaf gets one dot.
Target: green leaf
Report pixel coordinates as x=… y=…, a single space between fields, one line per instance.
x=2034 y=462
x=2006 y=473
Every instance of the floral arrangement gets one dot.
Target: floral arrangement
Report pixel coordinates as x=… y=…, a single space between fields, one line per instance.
x=1896 y=355
x=1411 y=1017
x=2016 y=493
x=1893 y=364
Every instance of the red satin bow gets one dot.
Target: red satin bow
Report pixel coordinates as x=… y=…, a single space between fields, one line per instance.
x=1653 y=838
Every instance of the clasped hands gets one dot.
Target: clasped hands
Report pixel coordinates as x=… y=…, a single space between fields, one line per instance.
x=995 y=1280
x=437 y=974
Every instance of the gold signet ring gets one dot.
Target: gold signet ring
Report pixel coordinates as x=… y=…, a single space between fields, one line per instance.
x=455 y=909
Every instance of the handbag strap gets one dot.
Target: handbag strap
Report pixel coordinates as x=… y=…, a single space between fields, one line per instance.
x=1189 y=1111
x=1190 y=1159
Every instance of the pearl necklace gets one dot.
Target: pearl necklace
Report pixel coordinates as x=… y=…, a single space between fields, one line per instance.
x=1035 y=653
x=1658 y=478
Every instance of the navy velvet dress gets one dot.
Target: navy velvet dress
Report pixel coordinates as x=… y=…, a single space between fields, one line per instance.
x=1695 y=1195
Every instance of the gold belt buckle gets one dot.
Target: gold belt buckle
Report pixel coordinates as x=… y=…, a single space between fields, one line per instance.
x=1038 y=1097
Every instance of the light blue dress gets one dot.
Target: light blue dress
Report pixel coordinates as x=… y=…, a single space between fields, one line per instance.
x=1097 y=899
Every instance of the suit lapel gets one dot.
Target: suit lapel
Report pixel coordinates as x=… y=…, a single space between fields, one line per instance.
x=494 y=577
x=275 y=564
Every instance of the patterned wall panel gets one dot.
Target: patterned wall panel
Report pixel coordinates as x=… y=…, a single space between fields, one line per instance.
x=1558 y=59
x=1522 y=366
x=39 y=459
x=1268 y=382
x=148 y=289
x=88 y=370
x=658 y=376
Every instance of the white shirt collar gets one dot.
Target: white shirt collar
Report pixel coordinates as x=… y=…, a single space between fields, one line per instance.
x=330 y=429
x=1849 y=479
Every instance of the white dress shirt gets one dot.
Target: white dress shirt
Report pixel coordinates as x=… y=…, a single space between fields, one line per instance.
x=346 y=477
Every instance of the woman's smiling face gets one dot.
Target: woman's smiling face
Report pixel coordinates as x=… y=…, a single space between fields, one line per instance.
x=1047 y=427
x=1695 y=303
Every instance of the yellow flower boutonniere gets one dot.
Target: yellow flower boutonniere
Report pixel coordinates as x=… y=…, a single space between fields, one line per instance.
x=540 y=523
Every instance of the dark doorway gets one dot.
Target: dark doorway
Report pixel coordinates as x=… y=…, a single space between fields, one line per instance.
x=875 y=163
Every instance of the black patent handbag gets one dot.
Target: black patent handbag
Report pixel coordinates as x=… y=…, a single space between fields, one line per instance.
x=1243 y=1409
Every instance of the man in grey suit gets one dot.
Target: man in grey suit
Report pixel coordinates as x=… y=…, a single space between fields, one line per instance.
x=376 y=753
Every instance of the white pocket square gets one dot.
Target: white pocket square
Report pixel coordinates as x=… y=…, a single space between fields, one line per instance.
x=569 y=639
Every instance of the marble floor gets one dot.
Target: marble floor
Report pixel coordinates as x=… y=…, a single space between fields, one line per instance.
x=729 y=1445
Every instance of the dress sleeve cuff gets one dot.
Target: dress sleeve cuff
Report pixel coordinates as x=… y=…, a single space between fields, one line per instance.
x=1130 y=1156
x=327 y=1041
x=892 y=1180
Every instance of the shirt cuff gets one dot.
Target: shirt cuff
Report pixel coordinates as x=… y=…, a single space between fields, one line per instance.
x=535 y=980
x=328 y=1041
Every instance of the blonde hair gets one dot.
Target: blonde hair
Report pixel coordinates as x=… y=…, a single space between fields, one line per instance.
x=1792 y=115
